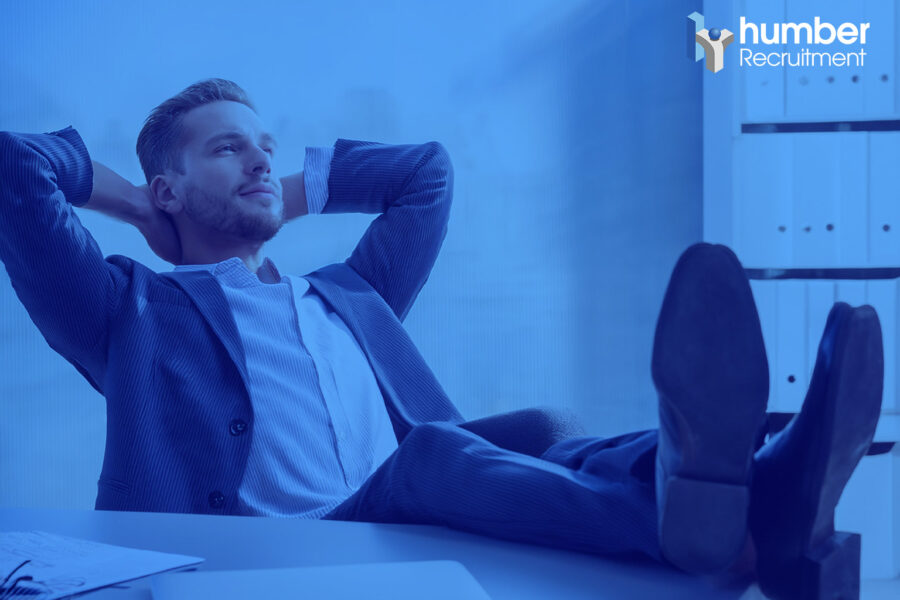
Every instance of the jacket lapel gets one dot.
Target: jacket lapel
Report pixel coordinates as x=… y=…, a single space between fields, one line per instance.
x=411 y=392
x=209 y=299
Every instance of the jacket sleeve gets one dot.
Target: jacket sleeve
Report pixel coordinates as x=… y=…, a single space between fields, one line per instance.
x=54 y=265
x=411 y=188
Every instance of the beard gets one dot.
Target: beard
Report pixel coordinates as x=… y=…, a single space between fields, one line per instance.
x=225 y=215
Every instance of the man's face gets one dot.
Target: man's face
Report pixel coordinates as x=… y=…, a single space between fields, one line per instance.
x=228 y=185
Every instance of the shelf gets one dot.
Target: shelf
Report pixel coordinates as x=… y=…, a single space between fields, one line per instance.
x=821 y=126
x=830 y=273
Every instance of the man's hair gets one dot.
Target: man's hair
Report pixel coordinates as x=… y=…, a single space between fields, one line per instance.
x=159 y=143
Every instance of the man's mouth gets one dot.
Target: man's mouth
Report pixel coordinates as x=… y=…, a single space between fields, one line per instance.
x=262 y=192
x=258 y=189
x=268 y=195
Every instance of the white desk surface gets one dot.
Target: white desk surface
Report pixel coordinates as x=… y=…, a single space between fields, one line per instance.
x=505 y=570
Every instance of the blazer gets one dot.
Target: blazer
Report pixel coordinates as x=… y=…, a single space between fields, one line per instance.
x=163 y=348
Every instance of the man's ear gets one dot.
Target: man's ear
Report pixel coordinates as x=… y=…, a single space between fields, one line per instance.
x=163 y=195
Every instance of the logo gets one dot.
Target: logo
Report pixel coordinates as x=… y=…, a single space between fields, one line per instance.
x=817 y=34
x=803 y=44
x=708 y=42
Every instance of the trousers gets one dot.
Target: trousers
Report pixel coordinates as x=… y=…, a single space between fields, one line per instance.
x=588 y=494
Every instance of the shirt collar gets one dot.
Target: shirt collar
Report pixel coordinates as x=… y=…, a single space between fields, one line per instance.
x=235 y=272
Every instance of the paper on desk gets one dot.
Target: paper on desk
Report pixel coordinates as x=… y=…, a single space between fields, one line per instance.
x=66 y=566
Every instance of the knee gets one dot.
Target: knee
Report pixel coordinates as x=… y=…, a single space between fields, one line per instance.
x=429 y=436
x=559 y=423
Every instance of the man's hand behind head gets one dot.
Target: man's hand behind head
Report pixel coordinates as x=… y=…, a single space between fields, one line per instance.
x=157 y=227
x=115 y=196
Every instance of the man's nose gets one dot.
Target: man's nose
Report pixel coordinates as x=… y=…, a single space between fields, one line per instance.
x=260 y=162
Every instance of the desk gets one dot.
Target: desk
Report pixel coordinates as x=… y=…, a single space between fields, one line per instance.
x=505 y=570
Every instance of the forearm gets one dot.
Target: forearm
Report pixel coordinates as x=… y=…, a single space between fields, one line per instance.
x=115 y=196
x=293 y=194
x=371 y=178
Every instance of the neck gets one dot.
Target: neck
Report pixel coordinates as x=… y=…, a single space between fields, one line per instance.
x=202 y=252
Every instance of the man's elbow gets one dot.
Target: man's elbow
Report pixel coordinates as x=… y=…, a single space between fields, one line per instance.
x=16 y=157
x=440 y=170
x=441 y=159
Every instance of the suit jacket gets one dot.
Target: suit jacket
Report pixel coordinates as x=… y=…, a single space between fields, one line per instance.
x=164 y=350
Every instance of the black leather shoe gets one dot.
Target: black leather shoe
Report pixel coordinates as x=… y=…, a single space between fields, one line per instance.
x=710 y=370
x=800 y=474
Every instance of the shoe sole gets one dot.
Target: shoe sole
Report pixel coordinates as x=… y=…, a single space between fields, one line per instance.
x=714 y=381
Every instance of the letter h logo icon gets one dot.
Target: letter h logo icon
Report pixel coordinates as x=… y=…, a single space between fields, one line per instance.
x=711 y=42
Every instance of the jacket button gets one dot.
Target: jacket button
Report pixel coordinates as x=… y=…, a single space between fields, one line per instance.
x=237 y=427
x=216 y=499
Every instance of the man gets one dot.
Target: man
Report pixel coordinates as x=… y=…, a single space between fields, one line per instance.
x=232 y=389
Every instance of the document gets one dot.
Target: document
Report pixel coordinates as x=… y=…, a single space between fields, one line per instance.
x=60 y=566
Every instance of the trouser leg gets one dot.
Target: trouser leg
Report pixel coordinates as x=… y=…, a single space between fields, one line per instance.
x=587 y=494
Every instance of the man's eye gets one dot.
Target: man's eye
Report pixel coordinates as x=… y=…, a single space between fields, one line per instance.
x=226 y=147
x=270 y=151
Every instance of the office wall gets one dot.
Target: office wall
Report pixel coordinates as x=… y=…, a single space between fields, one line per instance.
x=575 y=131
